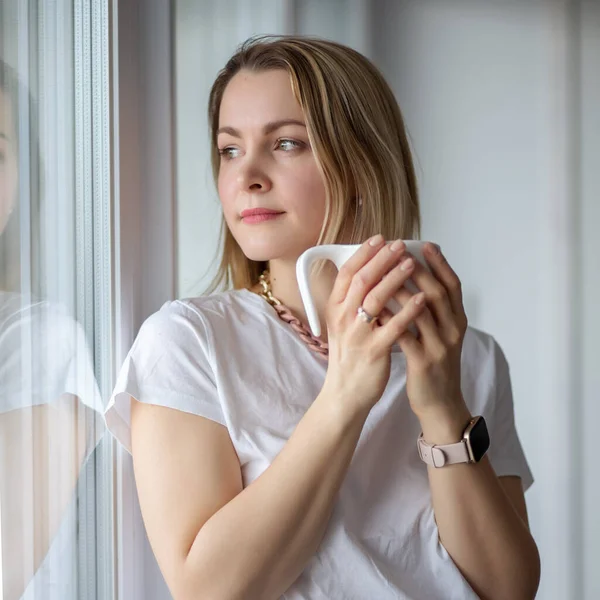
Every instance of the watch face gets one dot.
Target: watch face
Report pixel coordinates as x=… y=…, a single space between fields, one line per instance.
x=479 y=439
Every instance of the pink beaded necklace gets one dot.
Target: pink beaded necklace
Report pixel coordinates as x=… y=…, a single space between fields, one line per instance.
x=314 y=343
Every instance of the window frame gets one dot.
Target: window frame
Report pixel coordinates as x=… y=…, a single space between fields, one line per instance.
x=143 y=200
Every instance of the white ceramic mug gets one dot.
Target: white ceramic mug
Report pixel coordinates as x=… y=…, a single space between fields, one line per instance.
x=339 y=254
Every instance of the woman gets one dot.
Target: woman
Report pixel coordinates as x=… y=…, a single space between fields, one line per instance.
x=49 y=401
x=271 y=464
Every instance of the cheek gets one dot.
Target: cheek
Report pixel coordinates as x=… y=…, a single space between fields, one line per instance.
x=227 y=195
x=310 y=192
x=10 y=174
x=224 y=190
x=8 y=188
x=5 y=199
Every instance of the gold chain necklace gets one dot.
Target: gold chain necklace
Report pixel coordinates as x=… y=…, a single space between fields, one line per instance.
x=266 y=286
x=314 y=343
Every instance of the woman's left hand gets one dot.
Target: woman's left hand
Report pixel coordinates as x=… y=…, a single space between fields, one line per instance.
x=434 y=359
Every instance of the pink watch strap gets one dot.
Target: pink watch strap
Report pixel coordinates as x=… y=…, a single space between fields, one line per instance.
x=439 y=456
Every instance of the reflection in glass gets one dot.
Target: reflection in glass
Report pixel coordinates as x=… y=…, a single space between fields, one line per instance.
x=49 y=400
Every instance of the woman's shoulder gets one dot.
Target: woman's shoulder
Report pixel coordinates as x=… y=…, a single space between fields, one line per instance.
x=482 y=354
x=47 y=320
x=214 y=304
x=226 y=308
x=59 y=357
x=477 y=342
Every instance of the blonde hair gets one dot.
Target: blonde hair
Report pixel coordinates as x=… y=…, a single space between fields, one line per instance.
x=357 y=135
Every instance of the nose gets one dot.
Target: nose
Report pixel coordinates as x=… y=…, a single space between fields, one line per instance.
x=252 y=177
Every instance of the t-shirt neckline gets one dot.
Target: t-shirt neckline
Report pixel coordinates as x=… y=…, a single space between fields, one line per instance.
x=272 y=314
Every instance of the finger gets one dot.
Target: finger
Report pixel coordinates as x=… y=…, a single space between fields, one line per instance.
x=411 y=346
x=374 y=302
x=430 y=337
x=372 y=273
x=385 y=316
x=395 y=327
x=444 y=272
x=360 y=258
x=438 y=299
x=409 y=342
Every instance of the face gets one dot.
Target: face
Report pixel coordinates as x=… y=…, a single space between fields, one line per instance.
x=8 y=162
x=266 y=163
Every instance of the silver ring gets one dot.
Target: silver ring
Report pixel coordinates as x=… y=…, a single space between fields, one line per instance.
x=364 y=315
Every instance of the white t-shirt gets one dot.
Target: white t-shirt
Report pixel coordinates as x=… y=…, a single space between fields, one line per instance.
x=43 y=355
x=229 y=357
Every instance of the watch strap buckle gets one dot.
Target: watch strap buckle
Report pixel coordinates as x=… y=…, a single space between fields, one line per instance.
x=440 y=456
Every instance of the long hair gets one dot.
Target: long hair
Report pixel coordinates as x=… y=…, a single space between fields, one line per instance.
x=17 y=97
x=357 y=135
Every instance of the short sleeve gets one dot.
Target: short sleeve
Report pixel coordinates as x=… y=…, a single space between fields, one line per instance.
x=43 y=355
x=168 y=365
x=78 y=376
x=506 y=452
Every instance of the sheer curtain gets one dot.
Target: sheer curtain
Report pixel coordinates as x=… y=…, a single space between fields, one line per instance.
x=55 y=343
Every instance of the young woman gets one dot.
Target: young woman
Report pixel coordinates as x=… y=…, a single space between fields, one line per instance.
x=272 y=464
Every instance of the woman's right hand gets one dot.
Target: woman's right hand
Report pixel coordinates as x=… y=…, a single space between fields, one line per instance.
x=360 y=352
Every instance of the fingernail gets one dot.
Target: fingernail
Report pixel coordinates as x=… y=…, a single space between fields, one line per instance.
x=376 y=240
x=397 y=245
x=436 y=249
x=420 y=298
x=407 y=264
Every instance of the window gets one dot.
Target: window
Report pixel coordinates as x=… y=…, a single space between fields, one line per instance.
x=55 y=349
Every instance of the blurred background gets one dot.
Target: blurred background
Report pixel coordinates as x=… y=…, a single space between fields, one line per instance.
x=107 y=209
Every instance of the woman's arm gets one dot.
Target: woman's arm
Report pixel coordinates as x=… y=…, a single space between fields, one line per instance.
x=42 y=449
x=485 y=533
x=478 y=525
x=213 y=541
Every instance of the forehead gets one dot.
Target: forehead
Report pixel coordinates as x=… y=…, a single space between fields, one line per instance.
x=251 y=99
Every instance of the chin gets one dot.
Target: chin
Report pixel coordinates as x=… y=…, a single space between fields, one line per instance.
x=261 y=253
x=267 y=250
x=258 y=256
x=263 y=243
x=255 y=248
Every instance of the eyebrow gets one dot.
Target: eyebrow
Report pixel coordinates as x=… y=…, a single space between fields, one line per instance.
x=268 y=128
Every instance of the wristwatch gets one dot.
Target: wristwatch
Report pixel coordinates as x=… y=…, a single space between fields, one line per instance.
x=471 y=448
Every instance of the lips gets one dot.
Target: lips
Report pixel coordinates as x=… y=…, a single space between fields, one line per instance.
x=252 y=212
x=262 y=218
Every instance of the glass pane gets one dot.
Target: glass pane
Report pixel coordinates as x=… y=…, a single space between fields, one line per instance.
x=55 y=460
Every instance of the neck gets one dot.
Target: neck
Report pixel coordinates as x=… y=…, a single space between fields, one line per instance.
x=284 y=286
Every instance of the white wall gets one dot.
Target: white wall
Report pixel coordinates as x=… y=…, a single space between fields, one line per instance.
x=505 y=135
x=490 y=94
x=588 y=300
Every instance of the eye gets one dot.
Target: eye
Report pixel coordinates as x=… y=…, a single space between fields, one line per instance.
x=225 y=153
x=293 y=143
x=286 y=144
